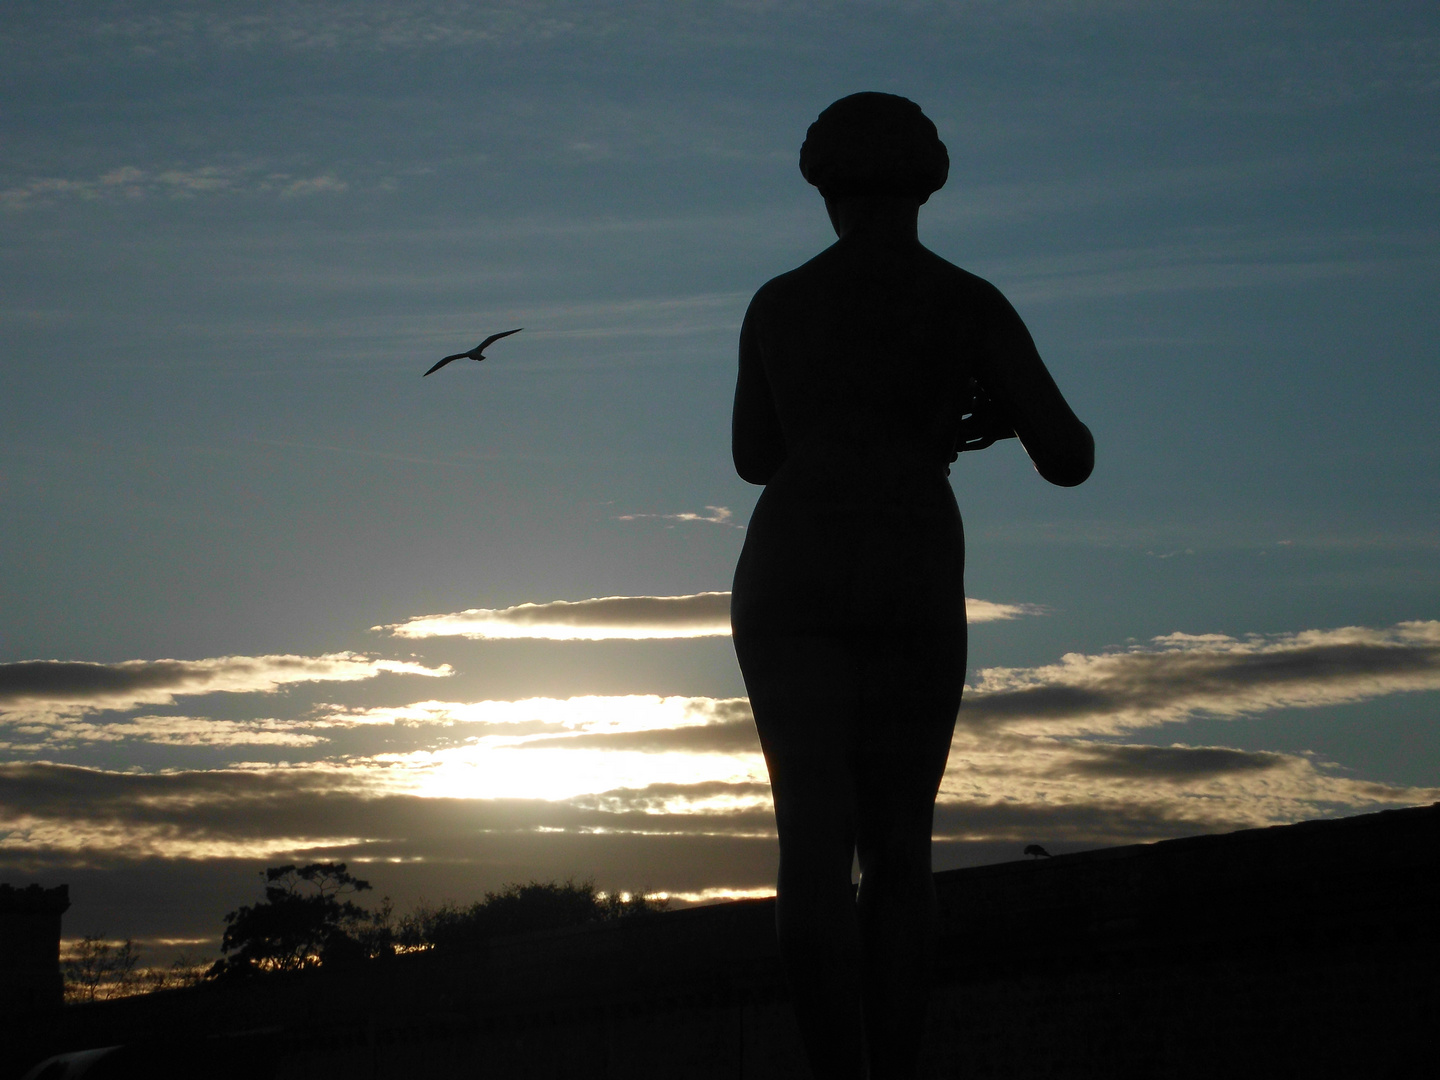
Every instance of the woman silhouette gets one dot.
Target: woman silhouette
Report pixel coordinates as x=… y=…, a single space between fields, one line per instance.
x=849 y=603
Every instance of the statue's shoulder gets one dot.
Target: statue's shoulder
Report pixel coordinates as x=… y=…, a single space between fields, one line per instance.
x=957 y=277
x=783 y=290
x=985 y=303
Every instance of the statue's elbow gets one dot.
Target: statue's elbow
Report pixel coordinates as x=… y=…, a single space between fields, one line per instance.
x=757 y=459
x=754 y=469
x=1073 y=466
x=1071 y=476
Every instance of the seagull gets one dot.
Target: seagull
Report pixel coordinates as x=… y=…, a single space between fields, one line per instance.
x=477 y=354
x=1035 y=851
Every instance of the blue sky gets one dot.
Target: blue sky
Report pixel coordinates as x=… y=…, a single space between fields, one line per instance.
x=234 y=237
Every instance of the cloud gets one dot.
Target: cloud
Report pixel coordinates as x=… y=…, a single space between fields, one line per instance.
x=556 y=748
x=78 y=815
x=1182 y=763
x=73 y=686
x=714 y=895
x=131 y=183
x=1039 y=787
x=263 y=812
x=631 y=618
x=1178 y=676
x=552 y=786
x=983 y=611
x=171 y=731
x=313 y=186
x=719 y=515
x=726 y=737
x=584 y=713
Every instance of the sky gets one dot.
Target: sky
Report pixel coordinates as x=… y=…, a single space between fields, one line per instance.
x=267 y=596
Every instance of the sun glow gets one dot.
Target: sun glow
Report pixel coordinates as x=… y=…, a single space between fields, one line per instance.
x=490 y=769
x=590 y=713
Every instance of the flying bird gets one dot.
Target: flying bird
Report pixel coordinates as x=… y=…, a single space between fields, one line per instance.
x=477 y=354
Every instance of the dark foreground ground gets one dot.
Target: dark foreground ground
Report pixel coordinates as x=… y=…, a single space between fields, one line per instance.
x=1308 y=950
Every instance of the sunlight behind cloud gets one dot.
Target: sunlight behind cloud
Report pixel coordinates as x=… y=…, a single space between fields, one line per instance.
x=502 y=763
x=710 y=896
x=604 y=618
x=495 y=769
x=630 y=618
x=585 y=713
x=1032 y=754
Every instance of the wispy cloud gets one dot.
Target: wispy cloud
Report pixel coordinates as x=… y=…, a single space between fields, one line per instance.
x=1000 y=786
x=1178 y=676
x=718 y=515
x=74 y=686
x=633 y=618
x=585 y=713
x=704 y=614
x=60 y=731
x=131 y=183
x=983 y=611
x=253 y=812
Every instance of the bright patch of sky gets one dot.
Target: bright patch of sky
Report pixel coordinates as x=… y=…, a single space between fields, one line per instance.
x=234 y=238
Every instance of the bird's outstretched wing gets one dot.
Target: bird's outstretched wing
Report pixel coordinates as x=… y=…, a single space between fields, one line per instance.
x=442 y=363
x=494 y=338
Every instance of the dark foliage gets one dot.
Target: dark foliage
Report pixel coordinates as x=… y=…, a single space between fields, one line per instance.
x=305 y=920
x=518 y=909
x=302 y=922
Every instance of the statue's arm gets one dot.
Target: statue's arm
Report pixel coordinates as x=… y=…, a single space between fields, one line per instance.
x=756 y=441
x=1011 y=371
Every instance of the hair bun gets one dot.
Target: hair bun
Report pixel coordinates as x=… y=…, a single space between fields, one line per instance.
x=874 y=144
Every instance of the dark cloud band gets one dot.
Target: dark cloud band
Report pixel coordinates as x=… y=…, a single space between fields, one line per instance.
x=1181 y=675
x=150 y=682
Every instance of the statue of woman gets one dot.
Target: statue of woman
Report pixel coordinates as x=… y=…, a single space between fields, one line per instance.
x=849 y=602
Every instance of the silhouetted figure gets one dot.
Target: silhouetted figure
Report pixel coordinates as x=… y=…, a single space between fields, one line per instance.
x=477 y=353
x=858 y=372
x=1035 y=851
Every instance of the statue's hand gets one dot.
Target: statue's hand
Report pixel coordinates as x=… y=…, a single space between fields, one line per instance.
x=981 y=422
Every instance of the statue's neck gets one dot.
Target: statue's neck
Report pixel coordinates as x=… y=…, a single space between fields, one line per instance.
x=875 y=218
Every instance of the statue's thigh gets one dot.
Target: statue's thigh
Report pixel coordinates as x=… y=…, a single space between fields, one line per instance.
x=909 y=699
x=805 y=695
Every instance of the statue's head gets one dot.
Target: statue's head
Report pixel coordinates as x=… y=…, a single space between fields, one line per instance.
x=874 y=144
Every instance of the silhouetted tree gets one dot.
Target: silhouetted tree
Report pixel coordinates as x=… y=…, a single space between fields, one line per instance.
x=302 y=922
x=183 y=971
x=96 y=965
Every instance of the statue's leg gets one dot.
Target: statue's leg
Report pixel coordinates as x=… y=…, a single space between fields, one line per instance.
x=804 y=695
x=910 y=697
